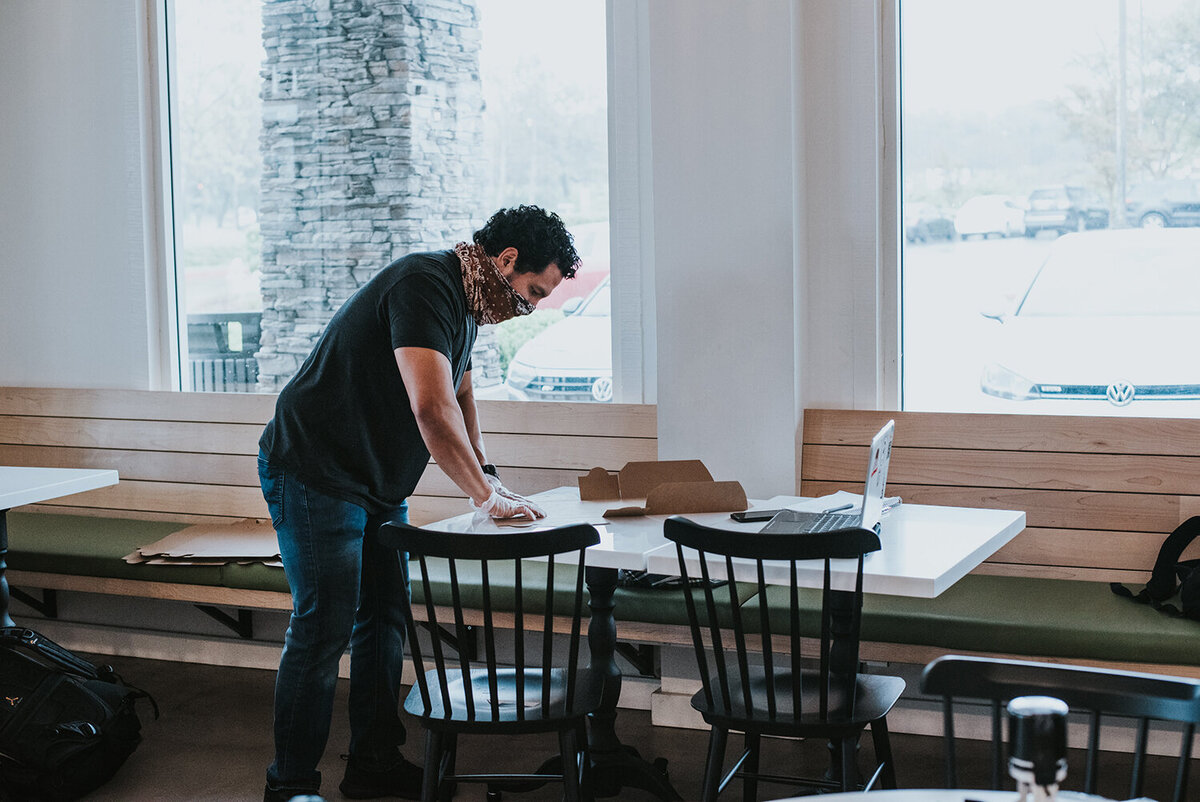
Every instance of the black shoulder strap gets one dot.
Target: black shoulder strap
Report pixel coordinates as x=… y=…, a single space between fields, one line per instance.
x=66 y=660
x=1189 y=588
x=49 y=650
x=1164 y=580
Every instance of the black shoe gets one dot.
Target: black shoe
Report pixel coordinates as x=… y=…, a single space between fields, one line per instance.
x=402 y=779
x=290 y=795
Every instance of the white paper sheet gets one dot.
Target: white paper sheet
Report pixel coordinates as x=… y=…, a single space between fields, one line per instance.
x=841 y=501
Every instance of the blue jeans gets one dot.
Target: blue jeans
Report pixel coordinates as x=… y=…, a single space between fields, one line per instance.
x=345 y=591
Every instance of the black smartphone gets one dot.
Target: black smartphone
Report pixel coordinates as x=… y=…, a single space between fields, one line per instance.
x=748 y=516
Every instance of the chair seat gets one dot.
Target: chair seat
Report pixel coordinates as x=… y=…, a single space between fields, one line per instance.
x=875 y=695
x=453 y=711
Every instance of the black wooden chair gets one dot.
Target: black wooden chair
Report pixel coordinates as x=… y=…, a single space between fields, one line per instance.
x=1102 y=694
x=515 y=686
x=750 y=653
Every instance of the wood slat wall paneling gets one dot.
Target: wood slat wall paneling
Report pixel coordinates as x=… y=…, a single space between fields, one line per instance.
x=137 y=405
x=1118 y=473
x=1047 y=508
x=159 y=466
x=1166 y=436
x=1078 y=572
x=424 y=510
x=1099 y=493
x=614 y=420
x=519 y=480
x=135 y=515
x=169 y=497
x=191 y=456
x=1073 y=547
x=576 y=452
x=148 y=435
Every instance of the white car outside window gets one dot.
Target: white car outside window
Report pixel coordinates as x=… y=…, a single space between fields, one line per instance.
x=570 y=360
x=1109 y=319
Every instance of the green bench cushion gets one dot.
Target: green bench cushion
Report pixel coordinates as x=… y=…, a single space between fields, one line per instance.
x=93 y=546
x=1015 y=615
x=1037 y=617
x=84 y=545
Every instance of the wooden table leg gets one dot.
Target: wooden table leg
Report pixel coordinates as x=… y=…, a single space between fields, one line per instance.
x=614 y=764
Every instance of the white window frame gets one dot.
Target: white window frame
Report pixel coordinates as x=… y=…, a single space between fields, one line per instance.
x=630 y=204
x=633 y=339
x=847 y=180
x=890 y=229
x=165 y=371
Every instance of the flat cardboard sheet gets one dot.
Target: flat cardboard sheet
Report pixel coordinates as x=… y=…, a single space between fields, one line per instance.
x=250 y=540
x=669 y=487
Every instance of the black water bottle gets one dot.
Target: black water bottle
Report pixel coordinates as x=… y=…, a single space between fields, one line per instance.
x=1037 y=745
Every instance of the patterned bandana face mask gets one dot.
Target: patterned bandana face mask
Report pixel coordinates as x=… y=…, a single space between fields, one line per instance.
x=490 y=297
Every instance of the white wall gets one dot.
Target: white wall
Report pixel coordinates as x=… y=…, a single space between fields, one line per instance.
x=848 y=182
x=761 y=184
x=722 y=103
x=767 y=259
x=72 y=272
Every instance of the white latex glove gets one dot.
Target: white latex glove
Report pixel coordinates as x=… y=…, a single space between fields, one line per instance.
x=498 y=487
x=498 y=506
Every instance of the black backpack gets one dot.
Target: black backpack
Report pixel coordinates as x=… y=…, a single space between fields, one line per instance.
x=66 y=725
x=1172 y=574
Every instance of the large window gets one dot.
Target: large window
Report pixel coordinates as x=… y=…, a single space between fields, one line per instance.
x=308 y=150
x=543 y=67
x=1051 y=206
x=215 y=54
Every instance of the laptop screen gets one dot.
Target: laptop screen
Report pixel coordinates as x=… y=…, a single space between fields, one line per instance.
x=877 y=467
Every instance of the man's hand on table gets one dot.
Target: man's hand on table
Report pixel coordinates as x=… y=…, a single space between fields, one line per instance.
x=503 y=503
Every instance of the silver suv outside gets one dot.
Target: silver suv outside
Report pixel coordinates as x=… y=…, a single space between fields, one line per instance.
x=1064 y=208
x=1170 y=202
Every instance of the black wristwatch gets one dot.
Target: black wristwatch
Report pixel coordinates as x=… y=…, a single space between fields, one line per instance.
x=490 y=470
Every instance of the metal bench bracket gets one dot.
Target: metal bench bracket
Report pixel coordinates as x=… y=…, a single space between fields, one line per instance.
x=47 y=605
x=641 y=657
x=243 y=625
x=468 y=646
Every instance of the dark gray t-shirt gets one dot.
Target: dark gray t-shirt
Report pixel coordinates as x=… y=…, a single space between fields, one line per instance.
x=344 y=424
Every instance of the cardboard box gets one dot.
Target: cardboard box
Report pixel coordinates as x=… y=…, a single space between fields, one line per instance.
x=669 y=487
x=249 y=540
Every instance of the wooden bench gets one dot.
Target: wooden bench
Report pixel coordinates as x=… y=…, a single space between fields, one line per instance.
x=191 y=457
x=1100 y=495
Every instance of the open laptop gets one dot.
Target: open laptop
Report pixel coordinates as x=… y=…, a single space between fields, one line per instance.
x=868 y=516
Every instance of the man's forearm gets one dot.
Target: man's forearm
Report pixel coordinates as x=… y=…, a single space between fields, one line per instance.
x=440 y=416
x=445 y=433
x=470 y=415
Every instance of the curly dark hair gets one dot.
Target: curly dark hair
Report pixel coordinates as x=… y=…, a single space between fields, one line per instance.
x=539 y=236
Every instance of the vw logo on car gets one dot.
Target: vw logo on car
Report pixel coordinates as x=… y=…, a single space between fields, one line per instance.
x=602 y=389
x=1120 y=394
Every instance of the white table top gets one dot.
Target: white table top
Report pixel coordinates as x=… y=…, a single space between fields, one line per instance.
x=623 y=541
x=19 y=486
x=925 y=549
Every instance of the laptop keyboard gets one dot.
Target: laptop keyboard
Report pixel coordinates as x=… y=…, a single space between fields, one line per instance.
x=788 y=522
x=828 y=522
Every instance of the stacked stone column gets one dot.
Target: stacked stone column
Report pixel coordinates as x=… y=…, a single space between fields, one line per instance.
x=371 y=142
